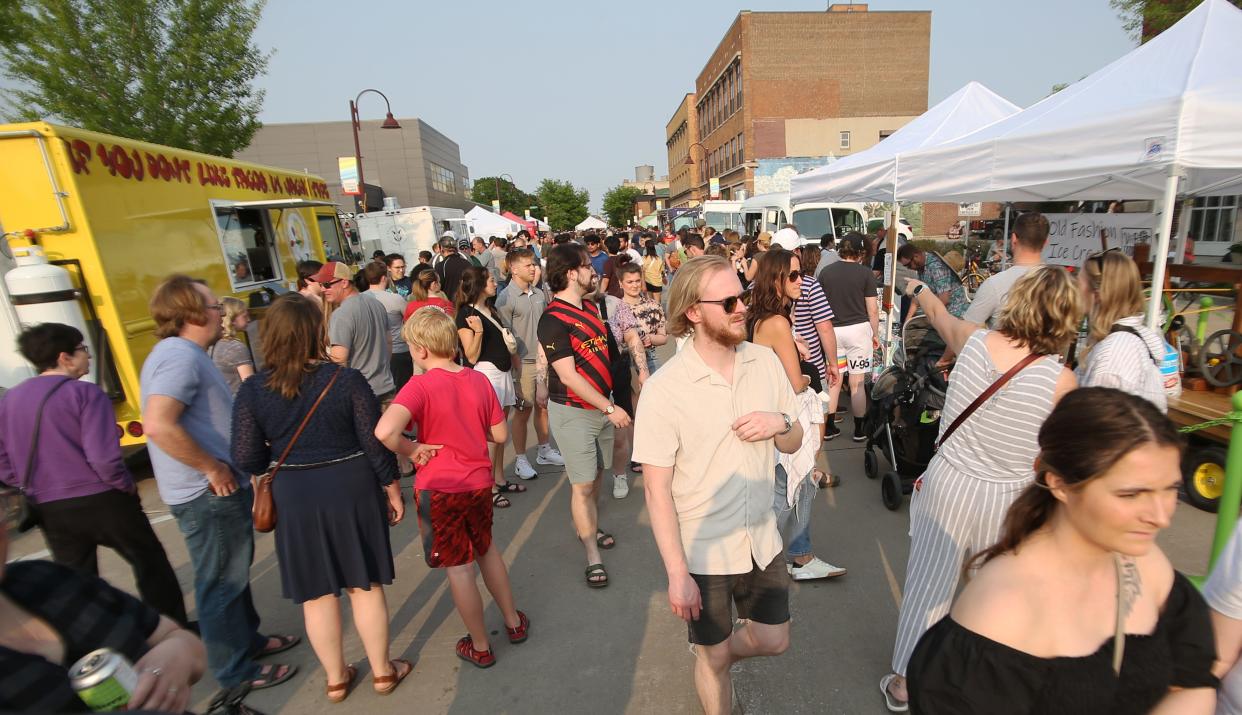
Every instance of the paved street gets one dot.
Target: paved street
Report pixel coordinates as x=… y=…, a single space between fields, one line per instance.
x=619 y=649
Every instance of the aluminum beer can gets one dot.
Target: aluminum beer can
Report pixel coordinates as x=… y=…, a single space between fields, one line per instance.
x=104 y=680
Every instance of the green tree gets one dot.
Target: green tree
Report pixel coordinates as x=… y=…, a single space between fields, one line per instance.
x=564 y=203
x=511 y=197
x=619 y=203
x=175 y=72
x=1144 y=19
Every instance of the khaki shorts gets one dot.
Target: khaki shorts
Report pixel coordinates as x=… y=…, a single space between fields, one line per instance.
x=526 y=383
x=585 y=439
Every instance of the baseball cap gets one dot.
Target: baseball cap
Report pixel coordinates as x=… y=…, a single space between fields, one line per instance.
x=787 y=238
x=463 y=244
x=854 y=241
x=332 y=271
x=716 y=239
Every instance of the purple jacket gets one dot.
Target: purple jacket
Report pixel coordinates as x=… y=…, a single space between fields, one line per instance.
x=79 y=453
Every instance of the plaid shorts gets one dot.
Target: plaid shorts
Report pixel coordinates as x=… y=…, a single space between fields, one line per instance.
x=456 y=528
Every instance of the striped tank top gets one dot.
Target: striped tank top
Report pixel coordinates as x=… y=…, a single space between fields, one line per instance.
x=997 y=443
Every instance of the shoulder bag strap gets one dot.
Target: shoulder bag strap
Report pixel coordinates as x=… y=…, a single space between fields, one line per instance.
x=983 y=397
x=34 y=437
x=305 y=420
x=1119 y=328
x=1127 y=589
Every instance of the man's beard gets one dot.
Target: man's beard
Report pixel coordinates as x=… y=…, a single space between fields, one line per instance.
x=724 y=336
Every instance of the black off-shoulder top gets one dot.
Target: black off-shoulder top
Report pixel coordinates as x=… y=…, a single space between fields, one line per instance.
x=955 y=670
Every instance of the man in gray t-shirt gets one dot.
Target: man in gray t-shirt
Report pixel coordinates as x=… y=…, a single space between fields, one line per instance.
x=1030 y=233
x=357 y=330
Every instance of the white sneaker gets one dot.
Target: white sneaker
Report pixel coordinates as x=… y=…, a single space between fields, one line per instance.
x=547 y=454
x=816 y=568
x=620 y=486
x=522 y=468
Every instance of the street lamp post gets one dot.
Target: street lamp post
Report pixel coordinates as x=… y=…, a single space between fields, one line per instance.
x=690 y=158
x=356 y=125
x=498 y=177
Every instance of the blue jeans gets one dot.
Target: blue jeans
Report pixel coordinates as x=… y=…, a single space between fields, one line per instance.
x=794 y=523
x=652 y=363
x=219 y=535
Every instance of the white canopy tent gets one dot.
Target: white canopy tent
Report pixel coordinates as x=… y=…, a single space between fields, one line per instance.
x=485 y=224
x=871 y=175
x=589 y=223
x=1164 y=119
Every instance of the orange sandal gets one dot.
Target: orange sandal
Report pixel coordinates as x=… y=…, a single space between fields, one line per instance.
x=340 y=691
x=385 y=684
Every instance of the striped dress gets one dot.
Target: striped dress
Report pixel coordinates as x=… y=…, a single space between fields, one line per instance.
x=810 y=309
x=970 y=482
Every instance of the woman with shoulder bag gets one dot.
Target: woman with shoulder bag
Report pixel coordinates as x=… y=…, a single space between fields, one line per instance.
x=488 y=347
x=1003 y=387
x=334 y=489
x=58 y=444
x=1122 y=352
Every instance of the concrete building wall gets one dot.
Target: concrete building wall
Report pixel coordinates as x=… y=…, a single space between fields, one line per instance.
x=399 y=160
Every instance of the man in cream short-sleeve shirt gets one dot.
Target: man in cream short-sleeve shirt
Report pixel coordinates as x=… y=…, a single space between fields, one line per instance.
x=704 y=434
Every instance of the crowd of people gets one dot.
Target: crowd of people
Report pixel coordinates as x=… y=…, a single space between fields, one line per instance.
x=1055 y=466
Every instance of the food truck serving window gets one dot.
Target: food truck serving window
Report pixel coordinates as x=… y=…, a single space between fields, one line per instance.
x=246 y=239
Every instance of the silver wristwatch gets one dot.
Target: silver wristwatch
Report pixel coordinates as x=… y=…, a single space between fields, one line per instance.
x=610 y=409
x=788 y=424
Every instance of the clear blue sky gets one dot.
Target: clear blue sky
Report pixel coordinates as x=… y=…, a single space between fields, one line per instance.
x=599 y=80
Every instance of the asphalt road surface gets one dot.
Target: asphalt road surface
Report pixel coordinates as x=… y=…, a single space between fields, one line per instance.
x=618 y=649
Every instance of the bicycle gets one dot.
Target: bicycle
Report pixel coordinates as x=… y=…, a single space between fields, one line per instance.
x=973 y=273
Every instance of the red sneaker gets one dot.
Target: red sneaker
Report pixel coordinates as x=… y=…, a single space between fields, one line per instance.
x=518 y=634
x=481 y=658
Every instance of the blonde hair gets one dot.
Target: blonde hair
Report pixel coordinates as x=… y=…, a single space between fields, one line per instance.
x=233 y=307
x=431 y=328
x=1043 y=311
x=688 y=289
x=1114 y=280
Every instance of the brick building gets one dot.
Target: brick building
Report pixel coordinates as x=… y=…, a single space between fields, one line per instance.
x=681 y=132
x=799 y=84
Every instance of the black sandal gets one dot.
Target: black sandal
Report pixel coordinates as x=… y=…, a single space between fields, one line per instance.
x=268 y=676
x=500 y=501
x=596 y=576
x=601 y=537
x=511 y=487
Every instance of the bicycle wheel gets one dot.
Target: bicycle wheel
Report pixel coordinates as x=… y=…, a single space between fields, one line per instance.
x=972 y=281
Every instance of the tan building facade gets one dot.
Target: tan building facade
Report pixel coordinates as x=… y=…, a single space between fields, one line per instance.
x=805 y=84
x=416 y=164
x=681 y=133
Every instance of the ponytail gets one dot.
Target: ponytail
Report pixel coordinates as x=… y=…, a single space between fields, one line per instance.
x=1028 y=514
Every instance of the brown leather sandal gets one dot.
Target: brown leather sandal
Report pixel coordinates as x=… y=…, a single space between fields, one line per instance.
x=340 y=691
x=385 y=684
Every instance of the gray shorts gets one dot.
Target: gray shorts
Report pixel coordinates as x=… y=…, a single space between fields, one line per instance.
x=584 y=438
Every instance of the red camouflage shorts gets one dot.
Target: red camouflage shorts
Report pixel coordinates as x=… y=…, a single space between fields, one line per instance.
x=456 y=528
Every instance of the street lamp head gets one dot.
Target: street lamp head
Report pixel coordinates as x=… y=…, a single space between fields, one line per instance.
x=390 y=122
x=688 y=161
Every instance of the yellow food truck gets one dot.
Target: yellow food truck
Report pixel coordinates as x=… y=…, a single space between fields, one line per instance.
x=91 y=224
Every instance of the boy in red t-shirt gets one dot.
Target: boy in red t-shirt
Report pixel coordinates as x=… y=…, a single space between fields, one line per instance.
x=453 y=486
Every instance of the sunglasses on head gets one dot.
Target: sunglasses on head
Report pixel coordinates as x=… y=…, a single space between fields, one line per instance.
x=729 y=304
x=1099 y=257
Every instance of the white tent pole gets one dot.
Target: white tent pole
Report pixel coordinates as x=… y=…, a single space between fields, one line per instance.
x=1005 y=252
x=1160 y=254
x=893 y=292
x=1183 y=232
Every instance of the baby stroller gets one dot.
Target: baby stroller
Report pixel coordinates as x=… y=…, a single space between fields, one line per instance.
x=903 y=419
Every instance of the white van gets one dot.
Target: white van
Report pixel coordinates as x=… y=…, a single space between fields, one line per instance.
x=408 y=231
x=772 y=212
x=722 y=215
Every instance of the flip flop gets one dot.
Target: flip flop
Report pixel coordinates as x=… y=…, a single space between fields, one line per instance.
x=286 y=642
x=601 y=537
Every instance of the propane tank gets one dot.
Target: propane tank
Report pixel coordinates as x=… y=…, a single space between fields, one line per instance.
x=43 y=293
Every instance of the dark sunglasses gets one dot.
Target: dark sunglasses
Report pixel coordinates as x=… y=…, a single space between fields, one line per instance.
x=795 y=275
x=729 y=304
x=329 y=284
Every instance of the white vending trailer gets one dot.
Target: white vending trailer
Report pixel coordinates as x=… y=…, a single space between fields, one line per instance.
x=408 y=231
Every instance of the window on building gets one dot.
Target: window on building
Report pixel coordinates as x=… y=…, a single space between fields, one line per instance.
x=249 y=246
x=739 y=86
x=741 y=147
x=1213 y=218
x=845 y=140
x=442 y=179
x=886 y=133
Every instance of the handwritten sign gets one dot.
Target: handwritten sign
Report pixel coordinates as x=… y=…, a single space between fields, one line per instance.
x=1072 y=238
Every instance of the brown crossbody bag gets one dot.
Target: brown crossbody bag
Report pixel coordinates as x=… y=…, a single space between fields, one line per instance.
x=264 y=511
x=983 y=396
